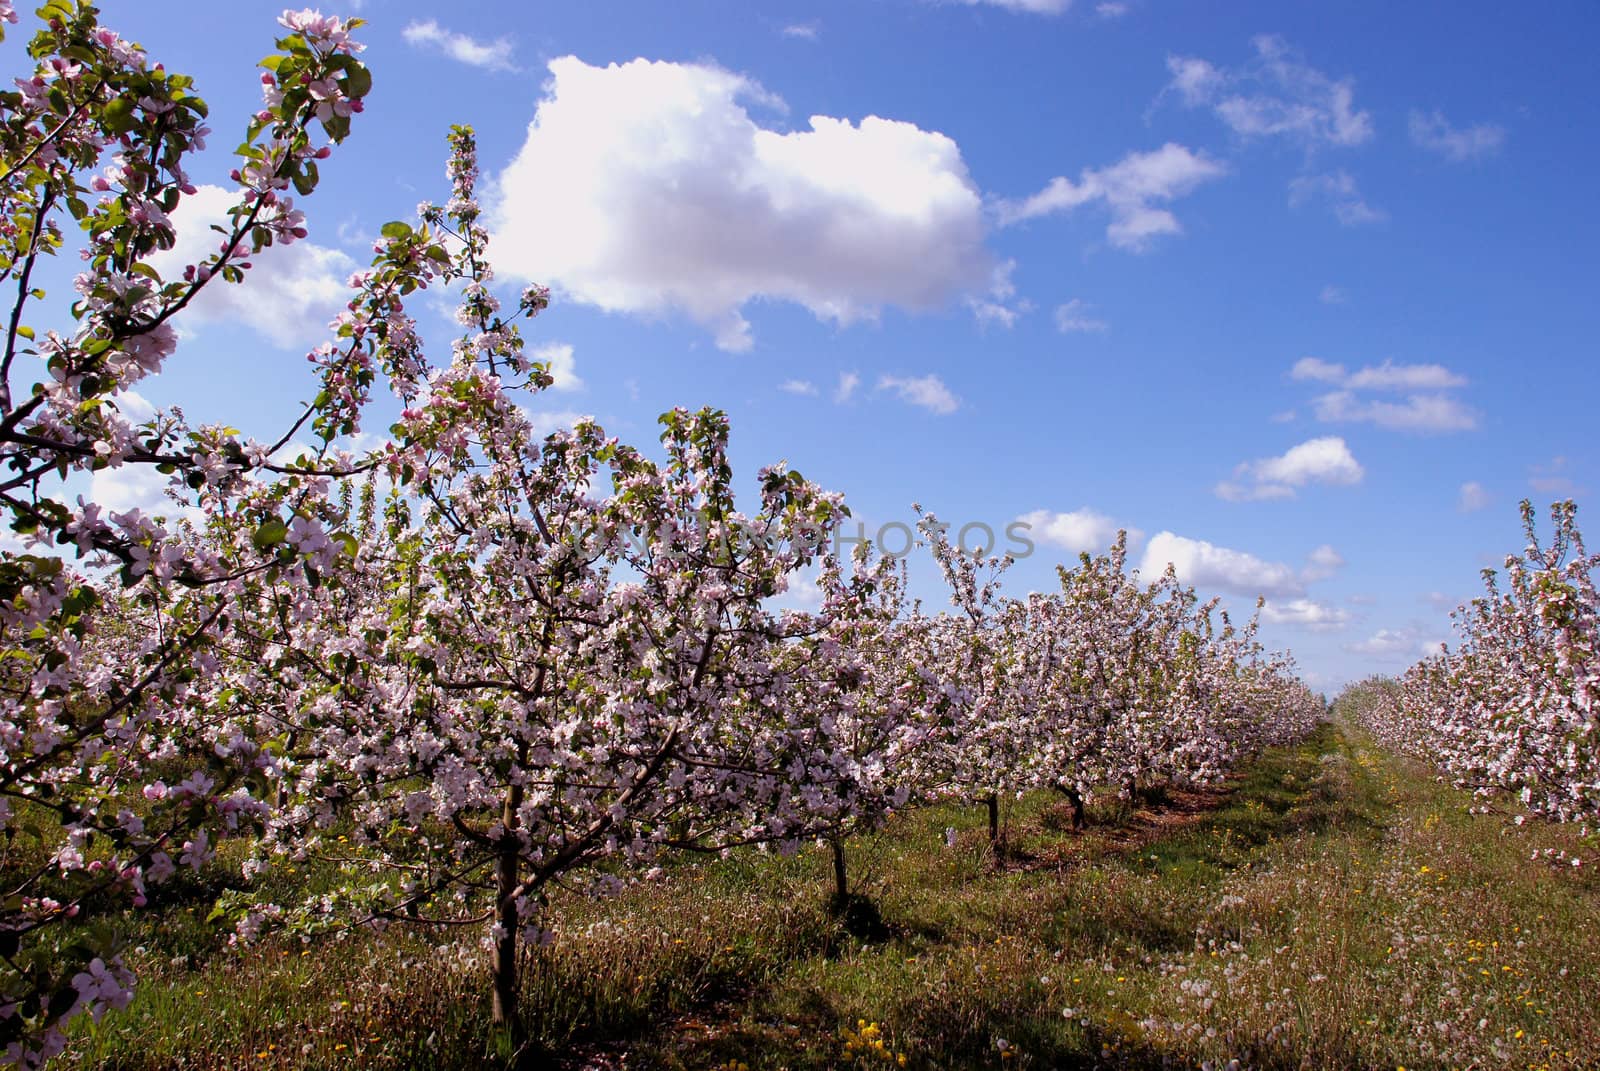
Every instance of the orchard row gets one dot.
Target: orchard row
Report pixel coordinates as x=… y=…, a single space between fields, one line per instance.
x=1515 y=707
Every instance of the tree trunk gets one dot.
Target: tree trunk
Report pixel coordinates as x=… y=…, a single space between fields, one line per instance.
x=507 y=876
x=506 y=1020
x=841 y=888
x=1080 y=818
x=992 y=801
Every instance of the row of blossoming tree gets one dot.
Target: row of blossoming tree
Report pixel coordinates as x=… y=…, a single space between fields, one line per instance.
x=471 y=663
x=1515 y=707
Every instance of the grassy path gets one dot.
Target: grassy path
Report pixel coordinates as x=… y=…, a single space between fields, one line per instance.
x=1335 y=908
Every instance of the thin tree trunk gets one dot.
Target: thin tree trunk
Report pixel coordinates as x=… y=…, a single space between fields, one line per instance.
x=841 y=888
x=1080 y=817
x=507 y=877
x=992 y=801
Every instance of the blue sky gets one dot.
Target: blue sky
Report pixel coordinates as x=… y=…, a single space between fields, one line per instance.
x=1304 y=294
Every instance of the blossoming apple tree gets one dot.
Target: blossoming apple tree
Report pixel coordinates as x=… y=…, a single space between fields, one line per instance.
x=1515 y=708
x=123 y=754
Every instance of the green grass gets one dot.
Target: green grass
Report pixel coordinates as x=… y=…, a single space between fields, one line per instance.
x=1334 y=908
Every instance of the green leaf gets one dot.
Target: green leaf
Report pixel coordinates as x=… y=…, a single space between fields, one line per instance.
x=118 y=115
x=271 y=533
x=358 y=82
x=396 y=229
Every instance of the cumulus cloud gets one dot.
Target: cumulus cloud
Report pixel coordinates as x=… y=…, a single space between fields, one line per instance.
x=1326 y=460
x=558 y=356
x=799 y=386
x=1074 y=316
x=808 y=31
x=1276 y=95
x=1436 y=134
x=288 y=296
x=1391 y=644
x=1305 y=613
x=846 y=389
x=1112 y=9
x=128 y=487
x=1083 y=531
x=801 y=593
x=490 y=55
x=1427 y=408
x=927 y=392
x=1130 y=191
x=133 y=405
x=1206 y=565
x=649 y=188
x=1338 y=191
x=1473 y=497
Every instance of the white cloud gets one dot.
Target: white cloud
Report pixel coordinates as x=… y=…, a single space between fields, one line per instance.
x=1305 y=613
x=1396 y=644
x=998 y=307
x=1332 y=295
x=1419 y=412
x=799 y=386
x=1315 y=368
x=928 y=392
x=1338 y=190
x=1031 y=7
x=848 y=382
x=141 y=487
x=649 y=188
x=1553 y=479
x=1081 y=531
x=1427 y=408
x=801 y=593
x=544 y=422
x=558 y=355
x=1278 y=95
x=808 y=31
x=996 y=314
x=1130 y=190
x=1112 y=9
x=490 y=55
x=1325 y=460
x=1439 y=601
x=135 y=406
x=1391 y=376
x=289 y=294
x=1074 y=316
x=1207 y=565
x=1473 y=497
x=1435 y=133
x=1194 y=80
x=1385 y=376
x=1322 y=563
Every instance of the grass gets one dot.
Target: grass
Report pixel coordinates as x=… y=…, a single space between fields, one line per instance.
x=1335 y=907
